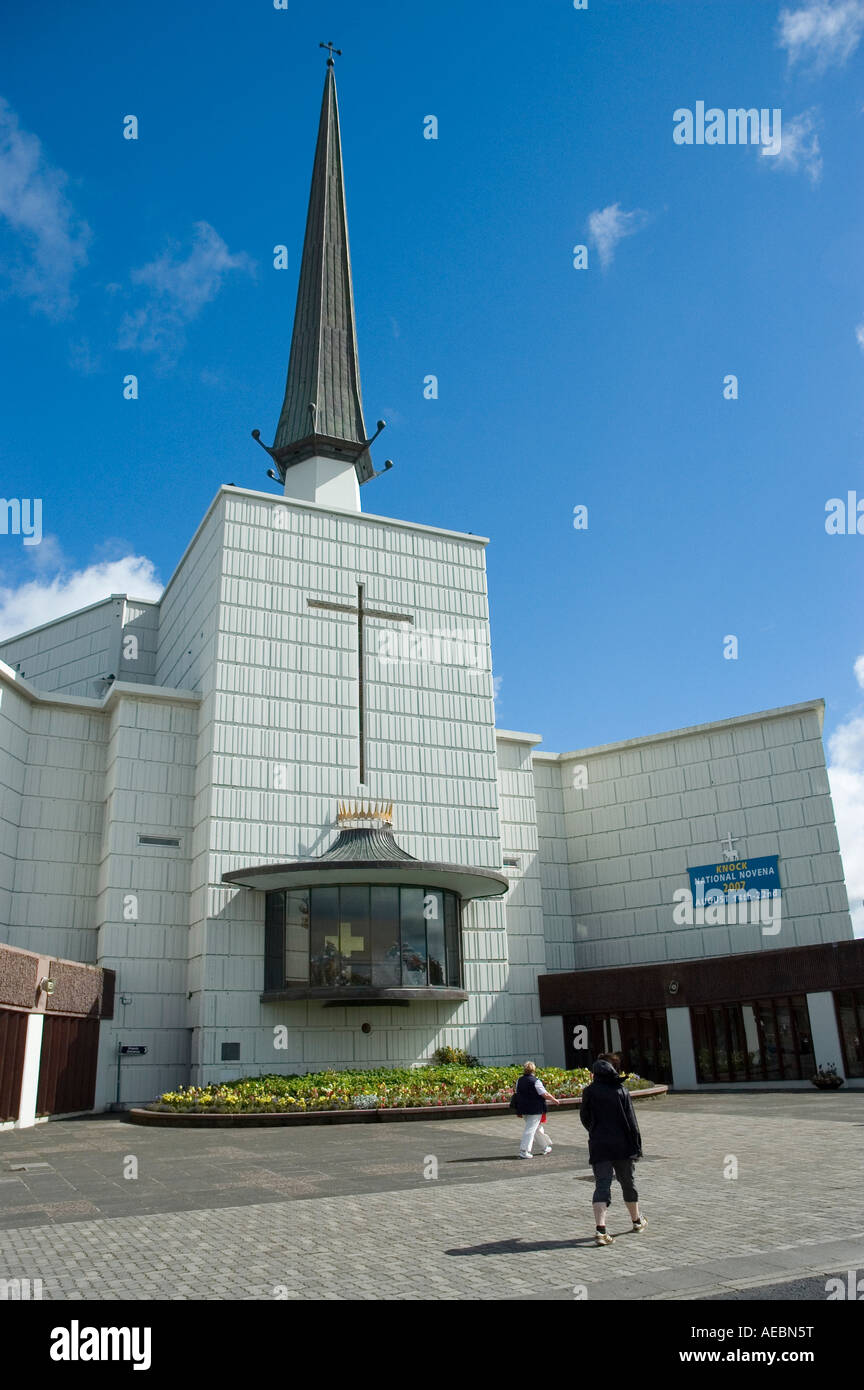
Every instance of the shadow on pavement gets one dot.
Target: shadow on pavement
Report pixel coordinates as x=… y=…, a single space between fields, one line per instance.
x=520 y=1247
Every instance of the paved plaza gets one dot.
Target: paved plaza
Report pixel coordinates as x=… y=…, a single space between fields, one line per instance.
x=347 y=1212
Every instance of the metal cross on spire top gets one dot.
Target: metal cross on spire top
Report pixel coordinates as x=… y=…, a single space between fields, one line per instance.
x=330 y=51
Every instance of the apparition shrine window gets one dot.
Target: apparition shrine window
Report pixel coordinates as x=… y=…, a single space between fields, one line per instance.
x=352 y=936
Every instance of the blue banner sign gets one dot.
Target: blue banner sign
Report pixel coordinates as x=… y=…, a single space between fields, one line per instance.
x=719 y=882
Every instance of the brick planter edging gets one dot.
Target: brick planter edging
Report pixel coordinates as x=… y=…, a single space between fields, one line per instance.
x=386 y=1115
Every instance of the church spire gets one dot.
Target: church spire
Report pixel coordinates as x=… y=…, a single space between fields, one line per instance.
x=321 y=449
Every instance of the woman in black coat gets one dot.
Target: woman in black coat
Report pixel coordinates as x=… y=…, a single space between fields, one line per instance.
x=614 y=1142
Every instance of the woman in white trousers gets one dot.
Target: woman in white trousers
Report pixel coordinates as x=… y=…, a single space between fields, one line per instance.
x=532 y=1096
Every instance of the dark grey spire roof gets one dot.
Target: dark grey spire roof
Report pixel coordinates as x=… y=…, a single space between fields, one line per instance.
x=323 y=370
x=366 y=844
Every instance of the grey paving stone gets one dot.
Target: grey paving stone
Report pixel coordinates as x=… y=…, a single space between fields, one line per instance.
x=487 y=1229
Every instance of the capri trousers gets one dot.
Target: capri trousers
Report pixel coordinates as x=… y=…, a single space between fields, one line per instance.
x=624 y=1170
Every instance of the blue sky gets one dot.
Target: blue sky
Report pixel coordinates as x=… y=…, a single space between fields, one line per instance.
x=557 y=386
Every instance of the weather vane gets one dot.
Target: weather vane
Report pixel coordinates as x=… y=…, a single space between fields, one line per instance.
x=330 y=51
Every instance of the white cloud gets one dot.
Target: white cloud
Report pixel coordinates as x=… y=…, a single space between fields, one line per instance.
x=610 y=225
x=846 y=774
x=50 y=241
x=799 y=148
x=822 y=33
x=178 y=290
x=859 y=335
x=83 y=359
x=38 y=601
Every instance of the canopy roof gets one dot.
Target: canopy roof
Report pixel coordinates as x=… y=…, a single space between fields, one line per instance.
x=370 y=855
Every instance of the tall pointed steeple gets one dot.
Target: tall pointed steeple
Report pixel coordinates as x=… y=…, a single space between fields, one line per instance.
x=321 y=449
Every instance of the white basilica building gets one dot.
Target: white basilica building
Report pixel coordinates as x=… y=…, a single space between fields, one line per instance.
x=267 y=823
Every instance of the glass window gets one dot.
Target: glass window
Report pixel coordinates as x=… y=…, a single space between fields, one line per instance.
x=721 y=1049
x=801 y=1019
x=752 y=1043
x=765 y=1041
x=356 y=935
x=433 y=911
x=355 y=955
x=647 y=1047
x=296 y=937
x=768 y=1032
x=413 y=937
x=788 y=1049
x=702 y=1044
x=274 y=940
x=631 y=1043
x=324 y=960
x=850 y=1020
x=452 y=939
x=384 y=930
x=738 y=1062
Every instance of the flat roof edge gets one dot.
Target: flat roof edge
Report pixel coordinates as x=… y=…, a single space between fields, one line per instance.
x=89 y=703
x=735 y=720
x=355 y=516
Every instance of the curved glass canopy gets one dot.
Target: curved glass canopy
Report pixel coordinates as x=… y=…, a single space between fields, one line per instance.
x=363 y=941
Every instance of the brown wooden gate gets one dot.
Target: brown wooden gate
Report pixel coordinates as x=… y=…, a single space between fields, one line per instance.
x=13 y=1035
x=67 y=1076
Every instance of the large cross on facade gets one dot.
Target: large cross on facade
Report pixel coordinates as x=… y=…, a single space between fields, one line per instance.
x=362 y=612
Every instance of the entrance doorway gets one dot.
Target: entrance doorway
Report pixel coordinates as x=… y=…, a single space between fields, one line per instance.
x=640 y=1037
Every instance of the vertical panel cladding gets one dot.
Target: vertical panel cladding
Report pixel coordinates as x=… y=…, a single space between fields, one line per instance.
x=145 y=889
x=13 y=1041
x=523 y=911
x=52 y=907
x=15 y=714
x=761 y=778
x=138 y=644
x=286 y=711
x=72 y=655
x=67 y=1073
x=551 y=776
x=188 y=609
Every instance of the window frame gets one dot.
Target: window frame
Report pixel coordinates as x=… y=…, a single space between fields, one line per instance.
x=703 y=1032
x=448 y=934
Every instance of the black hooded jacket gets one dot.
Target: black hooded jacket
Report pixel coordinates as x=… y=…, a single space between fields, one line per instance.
x=607 y=1114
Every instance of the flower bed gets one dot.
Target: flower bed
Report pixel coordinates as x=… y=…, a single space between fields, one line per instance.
x=364 y=1090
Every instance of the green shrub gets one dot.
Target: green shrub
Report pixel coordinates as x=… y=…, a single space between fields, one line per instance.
x=454 y=1057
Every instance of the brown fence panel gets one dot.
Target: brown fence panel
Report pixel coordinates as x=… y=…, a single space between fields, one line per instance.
x=67 y=1077
x=13 y=1034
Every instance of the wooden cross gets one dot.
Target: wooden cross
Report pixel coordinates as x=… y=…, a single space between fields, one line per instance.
x=330 y=51
x=728 y=847
x=362 y=612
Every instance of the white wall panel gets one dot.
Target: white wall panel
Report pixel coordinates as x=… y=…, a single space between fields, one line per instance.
x=681 y=794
